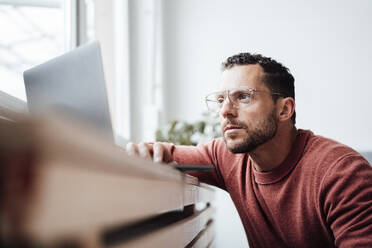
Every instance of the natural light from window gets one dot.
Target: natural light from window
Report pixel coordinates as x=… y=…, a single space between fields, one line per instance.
x=31 y=32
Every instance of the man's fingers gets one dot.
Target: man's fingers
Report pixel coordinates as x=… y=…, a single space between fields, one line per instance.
x=162 y=154
x=168 y=157
x=132 y=149
x=144 y=151
x=158 y=153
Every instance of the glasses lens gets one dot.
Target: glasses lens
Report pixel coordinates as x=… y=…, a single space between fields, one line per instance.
x=241 y=96
x=213 y=106
x=215 y=101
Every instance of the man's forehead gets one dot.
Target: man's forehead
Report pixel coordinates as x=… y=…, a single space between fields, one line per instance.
x=242 y=75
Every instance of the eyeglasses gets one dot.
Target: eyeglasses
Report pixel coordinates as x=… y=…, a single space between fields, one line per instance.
x=238 y=97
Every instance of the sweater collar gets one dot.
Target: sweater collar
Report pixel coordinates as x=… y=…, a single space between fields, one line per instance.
x=288 y=164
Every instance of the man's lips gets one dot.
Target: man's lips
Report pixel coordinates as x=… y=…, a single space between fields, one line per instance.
x=231 y=128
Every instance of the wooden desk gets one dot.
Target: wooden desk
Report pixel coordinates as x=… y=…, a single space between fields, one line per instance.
x=64 y=185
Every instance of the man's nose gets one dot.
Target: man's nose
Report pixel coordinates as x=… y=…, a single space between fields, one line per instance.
x=228 y=109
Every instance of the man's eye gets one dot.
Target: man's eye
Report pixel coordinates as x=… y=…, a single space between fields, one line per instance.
x=244 y=96
x=220 y=99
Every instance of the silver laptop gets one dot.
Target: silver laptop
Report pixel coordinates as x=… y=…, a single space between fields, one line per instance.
x=73 y=84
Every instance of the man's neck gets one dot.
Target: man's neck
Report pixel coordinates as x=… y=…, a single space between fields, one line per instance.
x=271 y=154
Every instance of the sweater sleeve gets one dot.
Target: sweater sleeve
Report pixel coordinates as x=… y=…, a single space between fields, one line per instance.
x=346 y=193
x=202 y=154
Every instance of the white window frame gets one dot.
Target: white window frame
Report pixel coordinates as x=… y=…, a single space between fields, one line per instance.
x=75 y=24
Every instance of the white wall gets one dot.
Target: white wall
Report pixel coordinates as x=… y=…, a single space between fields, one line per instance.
x=326 y=45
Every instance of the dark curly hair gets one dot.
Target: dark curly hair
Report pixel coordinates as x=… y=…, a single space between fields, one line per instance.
x=277 y=77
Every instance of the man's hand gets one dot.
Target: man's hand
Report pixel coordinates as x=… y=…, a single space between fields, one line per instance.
x=157 y=152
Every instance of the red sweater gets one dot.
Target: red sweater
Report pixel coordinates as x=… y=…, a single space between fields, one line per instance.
x=320 y=196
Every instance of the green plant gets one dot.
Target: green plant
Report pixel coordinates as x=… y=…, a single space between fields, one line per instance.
x=184 y=133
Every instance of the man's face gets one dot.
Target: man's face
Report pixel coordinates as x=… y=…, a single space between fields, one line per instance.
x=244 y=128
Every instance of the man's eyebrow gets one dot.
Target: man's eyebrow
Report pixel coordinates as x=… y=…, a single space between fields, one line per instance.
x=221 y=93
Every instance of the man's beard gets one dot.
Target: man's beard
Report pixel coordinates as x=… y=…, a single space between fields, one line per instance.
x=264 y=131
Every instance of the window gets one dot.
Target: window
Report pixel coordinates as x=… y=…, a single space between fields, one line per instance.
x=33 y=31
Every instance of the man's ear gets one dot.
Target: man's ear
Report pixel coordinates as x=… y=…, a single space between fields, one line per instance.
x=286 y=108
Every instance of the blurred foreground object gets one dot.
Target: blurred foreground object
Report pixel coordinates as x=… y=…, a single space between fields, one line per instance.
x=63 y=184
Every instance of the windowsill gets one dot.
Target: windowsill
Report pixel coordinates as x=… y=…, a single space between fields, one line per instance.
x=12 y=103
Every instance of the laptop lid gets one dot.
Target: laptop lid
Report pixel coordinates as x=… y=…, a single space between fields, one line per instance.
x=73 y=84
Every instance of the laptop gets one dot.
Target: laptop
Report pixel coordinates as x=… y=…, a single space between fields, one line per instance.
x=72 y=84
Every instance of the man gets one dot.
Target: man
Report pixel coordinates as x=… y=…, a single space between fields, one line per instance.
x=291 y=188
